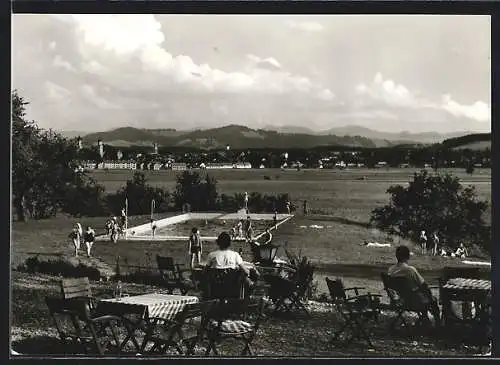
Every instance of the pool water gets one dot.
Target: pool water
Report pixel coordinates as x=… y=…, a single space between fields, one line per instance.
x=209 y=228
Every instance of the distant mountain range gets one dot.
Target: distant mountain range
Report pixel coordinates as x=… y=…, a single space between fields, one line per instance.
x=238 y=136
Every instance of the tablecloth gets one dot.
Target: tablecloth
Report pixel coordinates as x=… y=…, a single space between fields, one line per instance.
x=164 y=306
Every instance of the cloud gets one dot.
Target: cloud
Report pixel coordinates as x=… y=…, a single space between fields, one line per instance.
x=269 y=63
x=479 y=111
x=56 y=92
x=305 y=26
x=98 y=100
x=60 y=62
x=388 y=92
x=125 y=38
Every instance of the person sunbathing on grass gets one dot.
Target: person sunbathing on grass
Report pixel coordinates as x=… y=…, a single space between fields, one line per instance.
x=402 y=269
x=375 y=244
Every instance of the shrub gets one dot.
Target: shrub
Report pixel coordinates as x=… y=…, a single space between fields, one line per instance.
x=304 y=272
x=59 y=267
x=435 y=203
x=257 y=203
x=200 y=195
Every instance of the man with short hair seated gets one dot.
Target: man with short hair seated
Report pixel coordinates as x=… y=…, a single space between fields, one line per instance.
x=402 y=269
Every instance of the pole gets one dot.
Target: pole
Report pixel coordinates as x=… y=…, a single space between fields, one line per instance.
x=152 y=208
x=126 y=217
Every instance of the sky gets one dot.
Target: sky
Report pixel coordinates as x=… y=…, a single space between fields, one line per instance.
x=415 y=73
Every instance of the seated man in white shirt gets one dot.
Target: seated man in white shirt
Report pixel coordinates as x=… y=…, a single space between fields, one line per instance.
x=224 y=257
x=402 y=269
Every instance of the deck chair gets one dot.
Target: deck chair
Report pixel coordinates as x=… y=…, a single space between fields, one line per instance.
x=237 y=319
x=181 y=333
x=172 y=275
x=357 y=310
x=286 y=294
x=404 y=298
x=83 y=331
x=223 y=284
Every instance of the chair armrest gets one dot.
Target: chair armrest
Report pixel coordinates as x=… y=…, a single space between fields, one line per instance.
x=106 y=317
x=355 y=288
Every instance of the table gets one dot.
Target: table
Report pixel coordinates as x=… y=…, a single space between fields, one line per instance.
x=475 y=291
x=154 y=305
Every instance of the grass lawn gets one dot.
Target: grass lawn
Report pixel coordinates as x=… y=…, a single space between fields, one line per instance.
x=33 y=333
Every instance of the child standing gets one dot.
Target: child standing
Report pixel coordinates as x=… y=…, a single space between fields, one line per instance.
x=89 y=238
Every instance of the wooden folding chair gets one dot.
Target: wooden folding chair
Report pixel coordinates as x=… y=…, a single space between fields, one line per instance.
x=132 y=316
x=405 y=298
x=237 y=319
x=78 y=288
x=286 y=294
x=185 y=330
x=357 y=311
x=224 y=284
x=84 y=329
x=172 y=275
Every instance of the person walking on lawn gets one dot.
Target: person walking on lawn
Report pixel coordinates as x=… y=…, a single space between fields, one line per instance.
x=402 y=269
x=89 y=238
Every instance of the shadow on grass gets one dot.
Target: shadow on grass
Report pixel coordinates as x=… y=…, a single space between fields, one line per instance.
x=42 y=345
x=340 y=220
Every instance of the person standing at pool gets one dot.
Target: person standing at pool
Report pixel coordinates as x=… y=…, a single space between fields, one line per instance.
x=248 y=229
x=288 y=207
x=153 y=227
x=305 y=207
x=195 y=248
x=123 y=218
x=89 y=238
x=275 y=219
x=245 y=201
x=423 y=242
x=239 y=227
x=114 y=231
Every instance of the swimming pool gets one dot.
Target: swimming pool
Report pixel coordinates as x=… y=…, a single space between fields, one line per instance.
x=209 y=227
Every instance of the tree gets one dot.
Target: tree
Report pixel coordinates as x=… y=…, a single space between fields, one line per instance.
x=42 y=166
x=200 y=195
x=139 y=195
x=44 y=179
x=435 y=203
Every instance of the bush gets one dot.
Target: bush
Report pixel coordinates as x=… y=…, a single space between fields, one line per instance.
x=59 y=267
x=85 y=198
x=257 y=203
x=435 y=203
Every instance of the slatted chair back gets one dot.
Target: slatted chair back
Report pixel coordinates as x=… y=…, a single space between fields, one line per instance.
x=336 y=290
x=167 y=268
x=76 y=288
x=402 y=293
x=224 y=284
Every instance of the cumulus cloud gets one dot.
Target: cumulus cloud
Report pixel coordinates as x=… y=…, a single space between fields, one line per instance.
x=388 y=91
x=130 y=37
x=305 y=26
x=479 y=111
x=393 y=94
x=98 y=100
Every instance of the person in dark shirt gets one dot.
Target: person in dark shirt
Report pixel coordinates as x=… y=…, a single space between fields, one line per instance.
x=89 y=239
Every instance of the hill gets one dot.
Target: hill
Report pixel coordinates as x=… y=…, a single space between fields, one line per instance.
x=234 y=135
x=476 y=141
x=379 y=138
